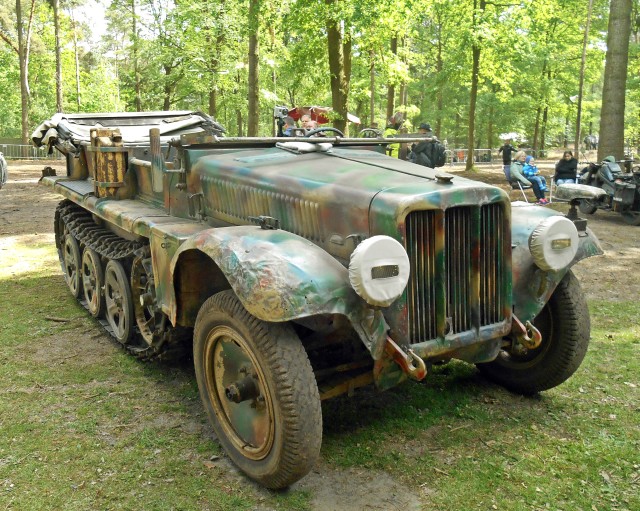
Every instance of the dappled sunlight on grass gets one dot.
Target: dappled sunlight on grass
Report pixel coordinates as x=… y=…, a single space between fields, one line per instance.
x=27 y=254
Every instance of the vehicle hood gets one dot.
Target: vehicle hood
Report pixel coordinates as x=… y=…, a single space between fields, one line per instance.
x=324 y=196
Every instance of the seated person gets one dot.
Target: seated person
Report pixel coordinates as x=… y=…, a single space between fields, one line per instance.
x=515 y=172
x=289 y=128
x=307 y=123
x=531 y=172
x=566 y=169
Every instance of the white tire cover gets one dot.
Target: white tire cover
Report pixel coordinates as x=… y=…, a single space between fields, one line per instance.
x=374 y=252
x=550 y=229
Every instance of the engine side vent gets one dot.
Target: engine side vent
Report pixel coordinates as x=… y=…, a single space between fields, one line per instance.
x=233 y=202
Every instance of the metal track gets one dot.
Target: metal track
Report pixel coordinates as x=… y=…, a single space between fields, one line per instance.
x=169 y=343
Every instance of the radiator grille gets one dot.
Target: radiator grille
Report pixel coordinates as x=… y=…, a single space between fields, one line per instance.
x=457 y=279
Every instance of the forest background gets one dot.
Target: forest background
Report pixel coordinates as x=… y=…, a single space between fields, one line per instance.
x=474 y=69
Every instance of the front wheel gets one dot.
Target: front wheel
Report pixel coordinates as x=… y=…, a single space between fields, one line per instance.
x=259 y=391
x=565 y=327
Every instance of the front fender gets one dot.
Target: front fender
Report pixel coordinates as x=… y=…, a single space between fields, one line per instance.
x=277 y=275
x=532 y=287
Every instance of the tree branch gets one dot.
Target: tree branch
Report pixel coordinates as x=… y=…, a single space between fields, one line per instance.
x=7 y=40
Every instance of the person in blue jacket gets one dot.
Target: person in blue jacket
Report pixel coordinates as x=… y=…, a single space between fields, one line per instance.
x=531 y=172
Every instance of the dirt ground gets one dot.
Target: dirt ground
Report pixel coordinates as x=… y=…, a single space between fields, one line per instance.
x=26 y=215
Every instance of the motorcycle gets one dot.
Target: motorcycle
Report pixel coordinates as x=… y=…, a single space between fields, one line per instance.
x=622 y=187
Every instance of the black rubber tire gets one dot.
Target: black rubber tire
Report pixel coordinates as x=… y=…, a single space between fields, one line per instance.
x=565 y=327
x=288 y=385
x=93 y=282
x=71 y=260
x=631 y=217
x=118 y=301
x=588 y=207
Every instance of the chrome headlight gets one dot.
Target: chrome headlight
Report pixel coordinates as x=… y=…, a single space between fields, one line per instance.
x=379 y=270
x=554 y=243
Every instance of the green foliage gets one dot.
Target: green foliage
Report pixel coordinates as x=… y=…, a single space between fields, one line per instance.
x=193 y=55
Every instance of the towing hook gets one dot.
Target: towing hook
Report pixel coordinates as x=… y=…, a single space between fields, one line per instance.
x=412 y=365
x=526 y=334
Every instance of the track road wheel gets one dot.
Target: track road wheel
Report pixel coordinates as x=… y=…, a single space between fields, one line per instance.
x=93 y=282
x=565 y=327
x=588 y=207
x=119 y=305
x=143 y=291
x=71 y=264
x=259 y=391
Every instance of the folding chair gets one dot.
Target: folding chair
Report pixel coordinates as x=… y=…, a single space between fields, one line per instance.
x=552 y=185
x=517 y=185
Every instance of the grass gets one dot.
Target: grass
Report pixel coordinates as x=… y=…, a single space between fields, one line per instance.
x=85 y=426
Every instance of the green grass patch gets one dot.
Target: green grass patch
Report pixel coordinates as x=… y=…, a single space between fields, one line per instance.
x=85 y=426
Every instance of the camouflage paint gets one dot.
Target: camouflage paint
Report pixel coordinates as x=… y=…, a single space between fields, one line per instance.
x=325 y=203
x=279 y=276
x=532 y=286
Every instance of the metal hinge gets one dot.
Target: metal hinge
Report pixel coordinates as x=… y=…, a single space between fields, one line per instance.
x=192 y=199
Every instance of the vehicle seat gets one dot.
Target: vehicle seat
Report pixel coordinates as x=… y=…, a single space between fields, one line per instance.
x=608 y=171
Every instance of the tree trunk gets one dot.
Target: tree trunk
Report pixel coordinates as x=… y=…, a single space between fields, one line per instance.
x=490 y=128
x=615 y=79
x=456 y=130
x=536 y=129
x=213 y=102
x=239 y=122
x=55 y=4
x=473 y=95
x=136 y=70
x=75 y=52
x=543 y=129
x=391 y=88
x=168 y=89
x=24 y=48
x=576 y=145
x=339 y=67
x=214 y=66
x=253 y=121
x=372 y=88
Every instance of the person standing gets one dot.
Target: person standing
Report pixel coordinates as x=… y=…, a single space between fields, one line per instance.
x=566 y=169
x=506 y=151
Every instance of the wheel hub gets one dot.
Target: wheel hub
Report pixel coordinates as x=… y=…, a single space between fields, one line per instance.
x=239 y=393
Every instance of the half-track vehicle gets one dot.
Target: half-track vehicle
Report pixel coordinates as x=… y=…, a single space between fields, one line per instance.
x=300 y=269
